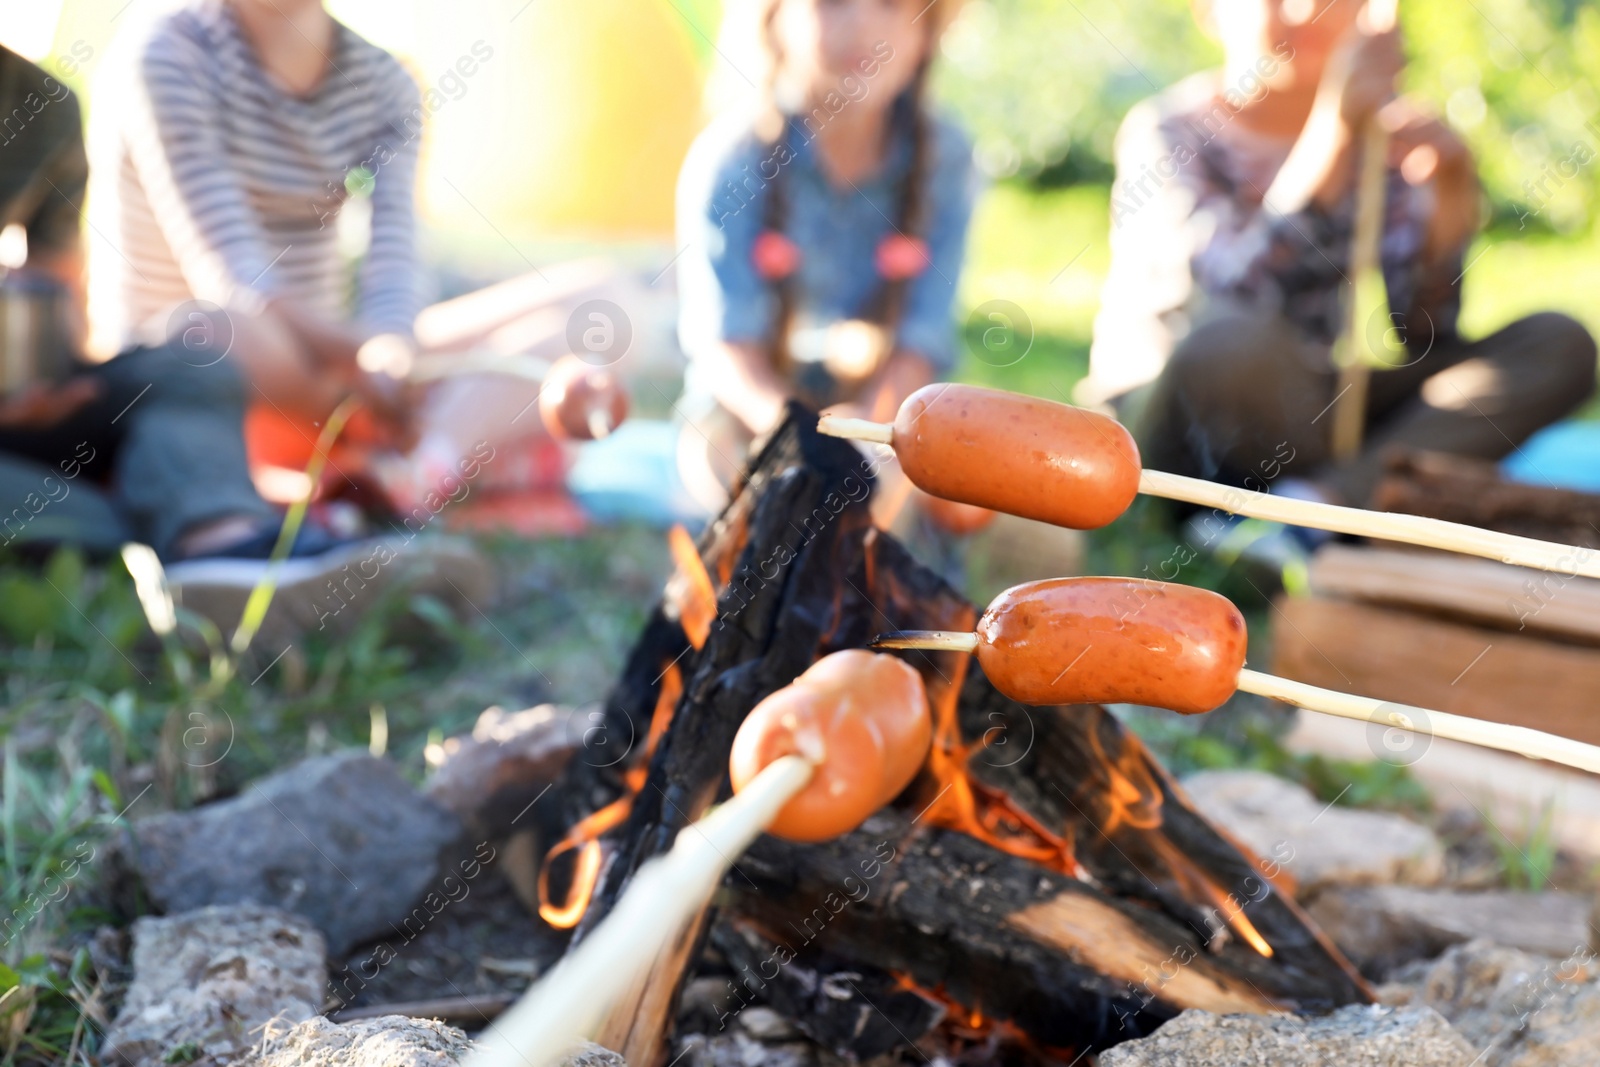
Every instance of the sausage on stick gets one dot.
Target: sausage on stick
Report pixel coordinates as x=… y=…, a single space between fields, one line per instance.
x=577 y=402
x=1125 y=640
x=1076 y=468
x=812 y=760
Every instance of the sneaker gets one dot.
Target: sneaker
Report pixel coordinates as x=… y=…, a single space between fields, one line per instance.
x=328 y=590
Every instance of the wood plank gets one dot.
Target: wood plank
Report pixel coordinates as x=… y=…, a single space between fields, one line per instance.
x=1481 y=590
x=1472 y=491
x=1411 y=658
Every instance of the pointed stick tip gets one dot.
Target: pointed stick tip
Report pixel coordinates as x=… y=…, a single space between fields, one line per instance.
x=856 y=429
x=928 y=640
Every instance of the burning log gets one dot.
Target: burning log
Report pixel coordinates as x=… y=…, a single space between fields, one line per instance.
x=1003 y=937
x=1043 y=872
x=856 y=1009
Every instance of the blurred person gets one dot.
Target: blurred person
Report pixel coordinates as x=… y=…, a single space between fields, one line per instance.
x=823 y=229
x=1232 y=216
x=145 y=446
x=228 y=138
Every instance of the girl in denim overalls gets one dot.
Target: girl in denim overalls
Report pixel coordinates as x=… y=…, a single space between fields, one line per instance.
x=822 y=230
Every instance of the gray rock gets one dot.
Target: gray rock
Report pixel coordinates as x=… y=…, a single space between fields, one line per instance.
x=210 y=979
x=1316 y=843
x=736 y=1049
x=490 y=776
x=1381 y=927
x=1516 y=1009
x=764 y=1024
x=343 y=840
x=1354 y=1036
x=387 y=1041
x=589 y=1054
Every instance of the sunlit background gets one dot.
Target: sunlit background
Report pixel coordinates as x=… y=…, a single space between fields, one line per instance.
x=565 y=141
x=568 y=138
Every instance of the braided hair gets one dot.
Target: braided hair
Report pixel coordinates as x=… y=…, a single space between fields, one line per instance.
x=888 y=303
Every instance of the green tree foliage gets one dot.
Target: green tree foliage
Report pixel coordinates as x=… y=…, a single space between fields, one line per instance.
x=1043 y=85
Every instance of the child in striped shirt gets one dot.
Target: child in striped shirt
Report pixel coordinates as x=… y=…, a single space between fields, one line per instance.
x=227 y=139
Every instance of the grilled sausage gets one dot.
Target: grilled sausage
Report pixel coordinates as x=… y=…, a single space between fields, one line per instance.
x=578 y=402
x=1113 y=640
x=1018 y=454
x=861 y=717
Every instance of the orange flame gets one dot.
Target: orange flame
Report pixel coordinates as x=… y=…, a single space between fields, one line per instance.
x=585 y=836
x=660 y=719
x=1131 y=797
x=696 y=597
x=967 y=1024
x=968 y=806
x=1196 y=883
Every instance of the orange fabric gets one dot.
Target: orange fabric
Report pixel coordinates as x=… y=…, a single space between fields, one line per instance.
x=272 y=438
x=522 y=489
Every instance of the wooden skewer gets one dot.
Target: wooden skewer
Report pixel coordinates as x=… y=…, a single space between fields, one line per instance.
x=1366 y=295
x=1534 y=744
x=435 y=367
x=565 y=1005
x=600 y=424
x=1385 y=526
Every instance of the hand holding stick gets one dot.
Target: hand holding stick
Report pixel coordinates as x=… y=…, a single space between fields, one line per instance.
x=1366 y=299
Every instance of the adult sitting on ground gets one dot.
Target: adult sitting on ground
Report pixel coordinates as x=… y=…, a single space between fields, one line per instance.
x=1232 y=217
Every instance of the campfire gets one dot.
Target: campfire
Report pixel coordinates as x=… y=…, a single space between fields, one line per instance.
x=1043 y=881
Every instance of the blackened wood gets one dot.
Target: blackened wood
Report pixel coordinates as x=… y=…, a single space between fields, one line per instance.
x=788 y=527
x=1052 y=955
x=1081 y=773
x=797 y=524
x=856 y=1009
x=809 y=575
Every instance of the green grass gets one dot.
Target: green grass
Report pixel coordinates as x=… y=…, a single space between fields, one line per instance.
x=1528 y=861
x=99 y=718
x=1035 y=264
x=1251 y=743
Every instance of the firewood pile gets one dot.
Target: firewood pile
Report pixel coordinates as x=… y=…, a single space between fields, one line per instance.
x=1470 y=636
x=1042 y=884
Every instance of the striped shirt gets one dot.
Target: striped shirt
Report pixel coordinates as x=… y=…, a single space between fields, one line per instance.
x=209 y=182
